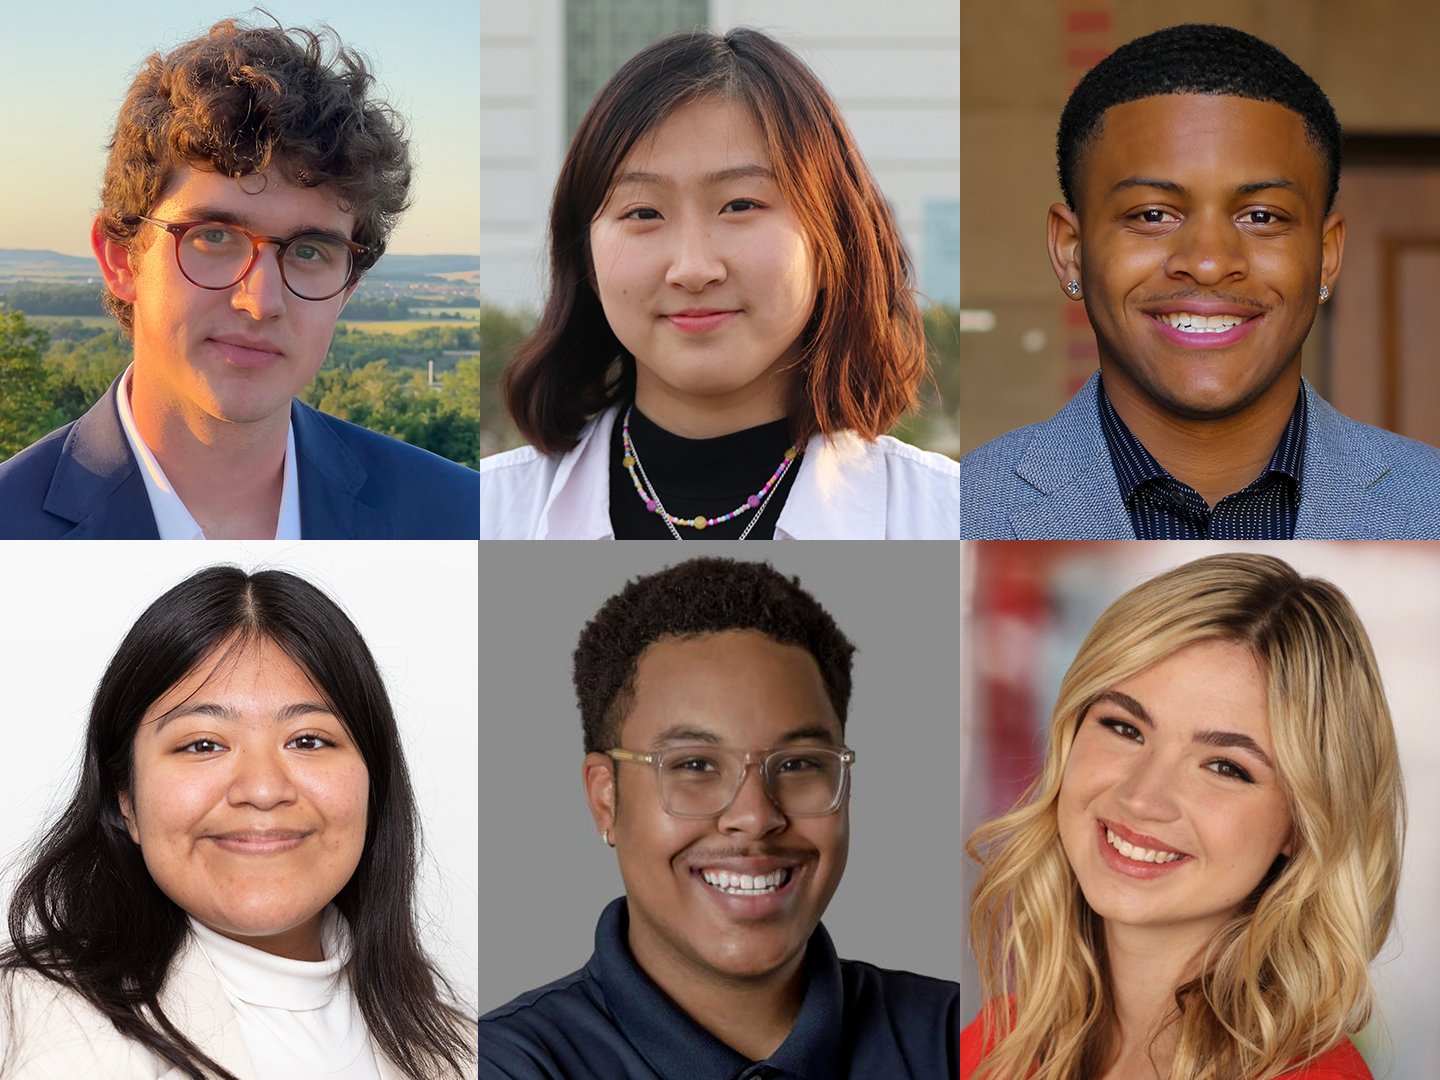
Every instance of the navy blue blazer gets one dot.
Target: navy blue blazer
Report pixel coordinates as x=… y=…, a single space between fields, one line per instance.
x=1055 y=480
x=83 y=483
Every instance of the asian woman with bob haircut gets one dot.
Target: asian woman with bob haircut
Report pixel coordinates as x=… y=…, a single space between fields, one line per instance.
x=1171 y=900
x=731 y=326
x=230 y=891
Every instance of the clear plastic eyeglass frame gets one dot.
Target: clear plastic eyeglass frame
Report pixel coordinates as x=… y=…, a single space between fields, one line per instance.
x=843 y=757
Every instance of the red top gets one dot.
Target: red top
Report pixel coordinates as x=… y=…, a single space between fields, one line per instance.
x=1341 y=1062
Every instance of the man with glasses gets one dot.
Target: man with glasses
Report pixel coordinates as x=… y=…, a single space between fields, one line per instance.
x=251 y=182
x=713 y=697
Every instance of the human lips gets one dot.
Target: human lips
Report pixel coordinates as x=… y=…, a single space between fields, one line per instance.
x=247 y=351
x=1203 y=323
x=259 y=841
x=1139 y=840
x=700 y=320
x=749 y=887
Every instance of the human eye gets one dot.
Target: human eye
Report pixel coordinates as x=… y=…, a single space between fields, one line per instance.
x=1154 y=215
x=1238 y=773
x=743 y=204
x=200 y=746
x=1262 y=216
x=639 y=214
x=802 y=763
x=313 y=249
x=213 y=237
x=1116 y=725
x=314 y=740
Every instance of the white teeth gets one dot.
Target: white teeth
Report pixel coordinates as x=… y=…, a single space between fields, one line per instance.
x=746 y=884
x=1201 y=324
x=1139 y=854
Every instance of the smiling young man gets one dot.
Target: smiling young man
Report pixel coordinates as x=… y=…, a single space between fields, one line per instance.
x=1199 y=167
x=251 y=182
x=714 y=696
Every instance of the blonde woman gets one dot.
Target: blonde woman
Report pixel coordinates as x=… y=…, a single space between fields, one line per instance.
x=1196 y=883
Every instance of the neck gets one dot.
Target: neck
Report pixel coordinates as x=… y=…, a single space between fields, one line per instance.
x=1216 y=457
x=297 y=943
x=708 y=416
x=230 y=476
x=751 y=1016
x=1146 y=964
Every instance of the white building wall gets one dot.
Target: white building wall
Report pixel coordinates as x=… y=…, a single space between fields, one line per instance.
x=893 y=67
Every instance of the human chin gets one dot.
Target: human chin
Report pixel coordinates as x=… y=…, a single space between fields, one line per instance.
x=1209 y=386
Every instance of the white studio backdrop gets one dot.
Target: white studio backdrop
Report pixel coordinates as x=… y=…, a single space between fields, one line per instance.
x=66 y=607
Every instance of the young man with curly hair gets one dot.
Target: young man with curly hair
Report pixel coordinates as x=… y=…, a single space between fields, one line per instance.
x=1199 y=167
x=714 y=696
x=251 y=182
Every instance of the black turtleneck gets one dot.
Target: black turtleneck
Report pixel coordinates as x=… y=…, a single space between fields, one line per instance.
x=694 y=477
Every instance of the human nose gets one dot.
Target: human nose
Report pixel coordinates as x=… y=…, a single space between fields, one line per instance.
x=260 y=779
x=752 y=812
x=694 y=263
x=1208 y=250
x=261 y=292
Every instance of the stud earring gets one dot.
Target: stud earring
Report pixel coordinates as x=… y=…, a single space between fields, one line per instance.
x=1072 y=287
x=1324 y=293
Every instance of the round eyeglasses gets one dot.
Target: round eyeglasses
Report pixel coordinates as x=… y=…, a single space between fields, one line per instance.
x=703 y=781
x=213 y=255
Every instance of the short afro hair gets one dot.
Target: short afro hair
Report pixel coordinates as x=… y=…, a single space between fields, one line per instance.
x=1196 y=58
x=701 y=596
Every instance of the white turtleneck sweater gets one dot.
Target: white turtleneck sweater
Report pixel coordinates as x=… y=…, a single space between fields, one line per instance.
x=298 y=1018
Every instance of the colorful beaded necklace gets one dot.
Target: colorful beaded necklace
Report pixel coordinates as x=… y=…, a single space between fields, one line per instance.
x=651 y=499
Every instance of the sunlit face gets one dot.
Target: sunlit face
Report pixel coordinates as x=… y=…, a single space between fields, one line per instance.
x=249 y=800
x=239 y=354
x=702 y=268
x=1137 y=768
x=740 y=689
x=1201 y=205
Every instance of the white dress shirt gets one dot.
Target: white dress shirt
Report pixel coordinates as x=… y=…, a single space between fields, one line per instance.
x=172 y=519
x=847 y=489
x=299 y=1019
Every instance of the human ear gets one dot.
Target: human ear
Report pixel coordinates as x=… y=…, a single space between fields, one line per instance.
x=114 y=260
x=1063 y=233
x=1332 y=249
x=598 y=774
x=127 y=811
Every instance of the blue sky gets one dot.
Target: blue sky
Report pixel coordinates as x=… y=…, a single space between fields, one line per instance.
x=68 y=64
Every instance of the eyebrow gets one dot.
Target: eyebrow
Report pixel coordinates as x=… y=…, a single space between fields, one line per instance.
x=682 y=734
x=1180 y=189
x=722 y=176
x=229 y=217
x=1204 y=738
x=224 y=712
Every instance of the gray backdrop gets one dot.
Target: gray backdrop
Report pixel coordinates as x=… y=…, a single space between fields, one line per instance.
x=546 y=874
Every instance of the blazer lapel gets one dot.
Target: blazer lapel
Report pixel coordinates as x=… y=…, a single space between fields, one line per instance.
x=97 y=482
x=195 y=1002
x=1068 y=463
x=330 y=479
x=1341 y=494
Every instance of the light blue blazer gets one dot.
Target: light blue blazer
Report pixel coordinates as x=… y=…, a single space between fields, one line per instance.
x=1055 y=481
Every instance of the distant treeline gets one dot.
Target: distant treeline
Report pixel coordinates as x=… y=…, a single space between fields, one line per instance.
x=54 y=299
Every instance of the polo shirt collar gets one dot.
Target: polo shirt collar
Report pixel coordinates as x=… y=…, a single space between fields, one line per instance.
x=675 y=1045
x=1134 y=465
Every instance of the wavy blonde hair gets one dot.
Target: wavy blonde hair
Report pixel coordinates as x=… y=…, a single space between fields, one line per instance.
x=1288 y=976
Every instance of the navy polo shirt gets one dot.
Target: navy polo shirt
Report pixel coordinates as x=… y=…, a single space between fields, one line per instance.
x=1163 y=508
x=608 y=1021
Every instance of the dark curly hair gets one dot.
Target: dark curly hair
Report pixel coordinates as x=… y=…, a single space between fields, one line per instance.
x=701 y=596
x=1195 y=58
x=245 y=99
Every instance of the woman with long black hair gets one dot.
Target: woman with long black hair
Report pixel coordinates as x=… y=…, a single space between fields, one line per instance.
x=230 y=891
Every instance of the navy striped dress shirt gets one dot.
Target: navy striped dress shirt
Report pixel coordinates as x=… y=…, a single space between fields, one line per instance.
x=1163 y=508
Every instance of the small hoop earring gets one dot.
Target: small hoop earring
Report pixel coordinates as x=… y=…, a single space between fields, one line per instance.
x=605 y=838
x=1324 y=293
x=1072 y=287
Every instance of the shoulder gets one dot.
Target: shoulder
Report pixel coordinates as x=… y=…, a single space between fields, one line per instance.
x=403 y=480
x=920 y=488
x=49 y=1032
x=24 y=483
x=921 y=1012
x=514 y=488
x=528 y=1038
x=1341 y=1062
x=991 y=484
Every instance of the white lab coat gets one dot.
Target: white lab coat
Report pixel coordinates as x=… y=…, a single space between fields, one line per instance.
x=847 y=489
